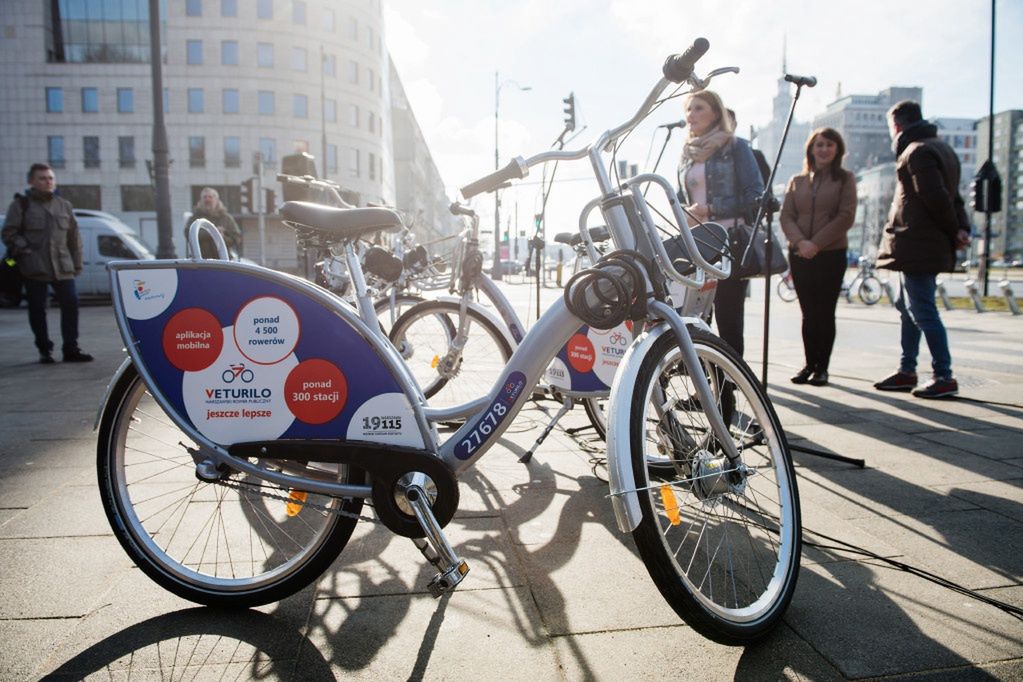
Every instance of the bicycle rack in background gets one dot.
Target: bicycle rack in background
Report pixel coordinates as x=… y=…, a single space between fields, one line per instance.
x=945 y=301
x=888 y=292
x=974 y=294
x=1010 y=298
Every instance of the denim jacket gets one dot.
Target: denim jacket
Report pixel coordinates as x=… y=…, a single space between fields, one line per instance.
x=734 y=183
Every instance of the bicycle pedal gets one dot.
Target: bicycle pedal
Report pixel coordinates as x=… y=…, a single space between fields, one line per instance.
x=448 y=580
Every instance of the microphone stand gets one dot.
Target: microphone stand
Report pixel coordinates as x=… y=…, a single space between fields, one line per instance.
x=766 y=208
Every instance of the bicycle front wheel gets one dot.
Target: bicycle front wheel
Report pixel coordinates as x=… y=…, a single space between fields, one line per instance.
x=388 y=312
x=220 y=544
x=721 y=543
x=425 y=337
x=870 y=290
x=786 y=291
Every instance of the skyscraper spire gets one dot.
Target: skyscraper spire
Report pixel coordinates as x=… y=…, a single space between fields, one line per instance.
x=784 y=49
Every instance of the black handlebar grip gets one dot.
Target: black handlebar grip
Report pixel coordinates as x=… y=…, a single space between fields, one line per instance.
x=457 y=209
x=679 y=67
x=489 y=183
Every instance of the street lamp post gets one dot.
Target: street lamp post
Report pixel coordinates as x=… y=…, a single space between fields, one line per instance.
x=496 y=270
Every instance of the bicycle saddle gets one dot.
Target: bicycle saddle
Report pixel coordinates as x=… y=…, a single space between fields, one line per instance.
x=712 y=241
x=345 y=223
x=597 y=234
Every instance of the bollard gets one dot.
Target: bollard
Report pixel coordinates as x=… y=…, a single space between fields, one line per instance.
x=971 y=290
x=944 y=295
x=1010 y=298
x=888 y=291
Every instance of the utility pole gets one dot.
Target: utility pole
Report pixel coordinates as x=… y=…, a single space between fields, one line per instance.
x=260 y=204
x=985 y=259
x=161 y=181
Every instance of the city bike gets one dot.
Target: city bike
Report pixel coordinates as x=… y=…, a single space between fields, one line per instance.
x=238 y=496
x=865 y=284
x=785 y=288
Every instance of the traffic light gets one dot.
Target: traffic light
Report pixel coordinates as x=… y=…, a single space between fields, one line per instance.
x=569 y=111
x=247 y=195
x=986 y=189
x=269 y=205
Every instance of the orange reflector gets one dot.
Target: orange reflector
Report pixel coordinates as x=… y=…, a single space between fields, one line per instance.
x=670 y=505
x=435 y=362
x=296 y=500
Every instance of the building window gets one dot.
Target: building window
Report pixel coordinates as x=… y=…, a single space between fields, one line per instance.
x=266 y=102
x=193 y=50
x=137 y=198
x=371 y=166
x=229 y=53
x=332 y=158
x=193 y=8
x=298 y=58
x=126 y=152
x=329 y=20
x=330 y=110
x=353 y=28
x=369 y=36
x=300 y=106
x=232 y=152
x=352 y=161
x=197 y=152
x=353 y=115
x=353 y=72
x=298 y=12
x=371 y=122
x=125 y=100
x=330 y=65
x=228 y=8
x=371 y=77
x=55 y=151
x=268 y=149
x=231 y=104
x=90 y=151
x=83 y=196
x=265 y=55
x=55 y=100
x=265 y=9
x=90 y=101
x=196 y=102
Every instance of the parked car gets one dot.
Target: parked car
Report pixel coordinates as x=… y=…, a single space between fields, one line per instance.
x=508 y=267
x=104 y=238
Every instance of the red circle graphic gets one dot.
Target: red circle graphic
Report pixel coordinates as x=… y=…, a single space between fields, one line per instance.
x=192 y=339
x=315 y=391
x=580 y=353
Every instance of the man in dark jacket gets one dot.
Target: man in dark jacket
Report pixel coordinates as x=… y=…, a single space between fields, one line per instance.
x=42 y=234
x=926 y=224
x=212 y=209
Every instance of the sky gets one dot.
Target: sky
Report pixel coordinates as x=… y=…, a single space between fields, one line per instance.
x=609 y=54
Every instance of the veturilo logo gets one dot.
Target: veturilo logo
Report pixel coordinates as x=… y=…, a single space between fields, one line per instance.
x=140 y=289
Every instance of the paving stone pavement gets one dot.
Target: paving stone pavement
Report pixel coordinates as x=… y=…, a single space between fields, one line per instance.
x=555 y=590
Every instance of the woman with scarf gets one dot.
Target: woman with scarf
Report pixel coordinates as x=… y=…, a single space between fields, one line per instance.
x=719 y=181
x=819 y=208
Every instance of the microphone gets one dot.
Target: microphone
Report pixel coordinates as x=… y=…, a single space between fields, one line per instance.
x=676 y=124
x=808 y=81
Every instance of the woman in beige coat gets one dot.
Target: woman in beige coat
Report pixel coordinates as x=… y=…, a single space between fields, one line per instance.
x=820 y=204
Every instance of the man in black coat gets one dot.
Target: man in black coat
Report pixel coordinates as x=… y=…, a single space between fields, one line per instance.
x=926 y=224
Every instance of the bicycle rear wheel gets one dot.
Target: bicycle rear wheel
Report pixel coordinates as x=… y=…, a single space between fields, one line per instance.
x=786 y=291
x=424 y=336
x=870 y=290
x=219 y=544
x=723 y=548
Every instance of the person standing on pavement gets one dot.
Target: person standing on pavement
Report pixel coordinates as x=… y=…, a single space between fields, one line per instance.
x=926 y=224
x=212 y=209
x=719 y=181
x=42 y=233
x=819 y=208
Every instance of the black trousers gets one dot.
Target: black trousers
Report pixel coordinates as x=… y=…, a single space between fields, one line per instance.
x=818 y=282
x=67 y=296
x=729 y=309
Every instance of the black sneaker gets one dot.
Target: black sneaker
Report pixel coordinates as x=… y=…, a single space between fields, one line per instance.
x=76 y=356
x=900 y=381
x=938 y=388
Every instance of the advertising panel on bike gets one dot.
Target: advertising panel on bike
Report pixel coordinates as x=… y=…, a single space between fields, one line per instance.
x=244 y=358
x=589 y=360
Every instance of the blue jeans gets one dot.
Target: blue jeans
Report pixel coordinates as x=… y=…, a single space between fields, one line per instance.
x=920 y=316
x=67 y=296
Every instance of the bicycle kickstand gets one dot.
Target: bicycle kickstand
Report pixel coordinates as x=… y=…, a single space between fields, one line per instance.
x=452 y=568
x=565 y=407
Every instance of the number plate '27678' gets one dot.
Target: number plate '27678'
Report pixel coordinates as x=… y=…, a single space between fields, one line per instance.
x=492 y=416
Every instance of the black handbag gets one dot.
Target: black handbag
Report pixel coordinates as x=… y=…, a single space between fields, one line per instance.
x=756 y=262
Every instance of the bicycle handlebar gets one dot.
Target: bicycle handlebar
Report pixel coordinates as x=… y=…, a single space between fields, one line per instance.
x=515 y=170
x=679 y=67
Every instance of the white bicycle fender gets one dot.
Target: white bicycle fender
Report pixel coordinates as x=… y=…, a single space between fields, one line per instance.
x=490 y=315
x=624 y=499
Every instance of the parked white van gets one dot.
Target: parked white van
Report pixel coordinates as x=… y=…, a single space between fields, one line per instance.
x=104 y=238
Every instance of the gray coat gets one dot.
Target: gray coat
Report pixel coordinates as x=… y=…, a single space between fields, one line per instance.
x=47 y=246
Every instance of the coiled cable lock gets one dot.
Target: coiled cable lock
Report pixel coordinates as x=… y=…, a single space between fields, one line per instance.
x=611 y=291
